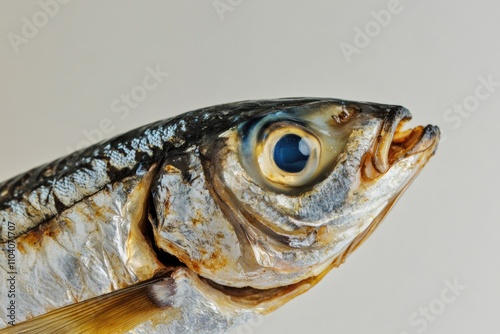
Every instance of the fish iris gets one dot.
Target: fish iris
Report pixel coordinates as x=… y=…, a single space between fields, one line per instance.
x=291 y=153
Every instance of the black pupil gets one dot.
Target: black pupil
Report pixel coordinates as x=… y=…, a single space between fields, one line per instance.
x=290 y=154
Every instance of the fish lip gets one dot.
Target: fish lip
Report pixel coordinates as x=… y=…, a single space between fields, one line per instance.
x=393 y=143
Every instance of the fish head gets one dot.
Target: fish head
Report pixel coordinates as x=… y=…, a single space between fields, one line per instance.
x=286 y=191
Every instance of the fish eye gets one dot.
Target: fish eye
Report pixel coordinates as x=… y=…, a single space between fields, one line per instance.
x=289 y=155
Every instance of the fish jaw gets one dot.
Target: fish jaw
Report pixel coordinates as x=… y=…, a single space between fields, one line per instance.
x=395 y=143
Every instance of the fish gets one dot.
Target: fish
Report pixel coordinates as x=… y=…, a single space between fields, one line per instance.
x=204 y=221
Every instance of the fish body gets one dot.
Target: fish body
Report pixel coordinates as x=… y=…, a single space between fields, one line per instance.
x=199 y=223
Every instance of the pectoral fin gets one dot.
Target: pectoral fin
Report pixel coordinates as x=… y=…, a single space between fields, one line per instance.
x=116 y=312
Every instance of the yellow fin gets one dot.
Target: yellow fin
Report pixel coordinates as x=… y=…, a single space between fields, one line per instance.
x=116 y=312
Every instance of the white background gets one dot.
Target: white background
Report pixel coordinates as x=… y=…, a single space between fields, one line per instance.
x=430 y=56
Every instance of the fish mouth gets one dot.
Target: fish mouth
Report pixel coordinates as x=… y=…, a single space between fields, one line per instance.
x=396 y=142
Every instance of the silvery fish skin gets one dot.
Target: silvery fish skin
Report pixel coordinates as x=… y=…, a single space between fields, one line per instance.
x=199 y=223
